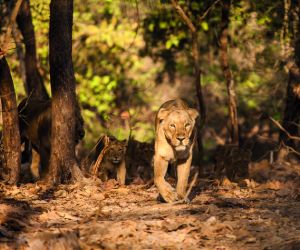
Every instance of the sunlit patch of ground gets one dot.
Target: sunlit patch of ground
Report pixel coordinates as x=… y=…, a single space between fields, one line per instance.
x=252 y=215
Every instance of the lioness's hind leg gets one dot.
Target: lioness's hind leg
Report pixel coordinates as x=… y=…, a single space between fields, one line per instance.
x=121 y=173
x=183 y=172
x=165 y=189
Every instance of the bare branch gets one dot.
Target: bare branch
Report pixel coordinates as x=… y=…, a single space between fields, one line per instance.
x=296 y=138
x=184 y=16
x=290 y=149
x=209 y=9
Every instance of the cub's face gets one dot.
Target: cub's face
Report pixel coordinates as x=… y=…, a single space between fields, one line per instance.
x=116 y=152
x=178 y=127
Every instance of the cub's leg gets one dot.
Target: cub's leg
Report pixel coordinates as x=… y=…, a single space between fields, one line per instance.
x=121 y=173
x=103 y=175
x=165 y=189
x=183 y=172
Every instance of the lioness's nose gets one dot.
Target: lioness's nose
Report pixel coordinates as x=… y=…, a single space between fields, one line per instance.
x=180 y=138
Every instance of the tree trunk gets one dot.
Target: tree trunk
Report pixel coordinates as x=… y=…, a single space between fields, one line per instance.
x=34 y=82
x=62 y=159
x=291 y=116
x=11 y=135
x=197 y=71
x=232 y=106
x=200 y=101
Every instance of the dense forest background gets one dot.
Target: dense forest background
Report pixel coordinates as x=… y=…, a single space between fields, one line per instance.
x=79 y=170
x=133 y=56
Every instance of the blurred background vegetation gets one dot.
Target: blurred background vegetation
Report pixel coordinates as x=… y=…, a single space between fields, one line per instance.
x=134 y=55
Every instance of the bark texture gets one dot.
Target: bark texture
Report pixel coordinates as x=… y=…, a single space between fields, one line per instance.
x=11 y=135
x=232 y=106
x=63 y=164
x=291 y=116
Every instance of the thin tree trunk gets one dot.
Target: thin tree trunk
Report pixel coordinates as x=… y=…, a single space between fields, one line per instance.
x=34 y=82
x=20 y=54
x=197 y=70
x=291 y=116
x=11 y=135
x=232 y=106
x=62 y=159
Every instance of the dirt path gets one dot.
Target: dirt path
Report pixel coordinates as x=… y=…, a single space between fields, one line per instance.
x=105 y=216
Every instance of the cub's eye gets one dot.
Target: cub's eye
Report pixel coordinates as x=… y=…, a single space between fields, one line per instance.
x=172 y=125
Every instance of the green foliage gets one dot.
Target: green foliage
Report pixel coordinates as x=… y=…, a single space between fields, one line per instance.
x=129 y=60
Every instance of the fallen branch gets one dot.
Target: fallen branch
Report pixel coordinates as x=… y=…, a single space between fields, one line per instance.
x=95 y=167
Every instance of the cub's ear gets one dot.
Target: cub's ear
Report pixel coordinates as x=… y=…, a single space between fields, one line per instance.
x=162 y=114
x=193 y=113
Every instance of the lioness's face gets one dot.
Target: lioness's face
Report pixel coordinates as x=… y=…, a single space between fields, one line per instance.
x=178 y=127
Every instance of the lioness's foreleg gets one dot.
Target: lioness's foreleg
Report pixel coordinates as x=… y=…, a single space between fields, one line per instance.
x=183 y=172
x=121 y=173
x=165 y=189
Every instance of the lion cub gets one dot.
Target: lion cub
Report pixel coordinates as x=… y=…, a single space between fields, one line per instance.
x=107 y=159
x=113 y=163
x=174 y=141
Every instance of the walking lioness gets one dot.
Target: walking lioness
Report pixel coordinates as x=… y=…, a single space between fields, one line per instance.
x=174 y=141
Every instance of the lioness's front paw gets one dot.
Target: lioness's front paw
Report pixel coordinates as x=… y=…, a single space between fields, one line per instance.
x=169 y=195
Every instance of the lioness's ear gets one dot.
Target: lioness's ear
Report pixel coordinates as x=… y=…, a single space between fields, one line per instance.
x=162 y=114
x=193 y=113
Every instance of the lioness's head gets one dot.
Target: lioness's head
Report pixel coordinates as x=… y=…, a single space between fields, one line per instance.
x=178 y=126
x=116 y=151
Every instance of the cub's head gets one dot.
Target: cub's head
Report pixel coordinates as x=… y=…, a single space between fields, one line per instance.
x=178 y=125
x=116 y=151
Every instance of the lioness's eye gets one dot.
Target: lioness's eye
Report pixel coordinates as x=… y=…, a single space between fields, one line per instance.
x=187 y=125
x=172 y=125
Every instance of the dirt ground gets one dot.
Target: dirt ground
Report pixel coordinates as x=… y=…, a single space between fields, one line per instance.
x=262 y=212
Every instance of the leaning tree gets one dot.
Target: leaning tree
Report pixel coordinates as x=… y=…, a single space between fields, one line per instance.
x=34 y=84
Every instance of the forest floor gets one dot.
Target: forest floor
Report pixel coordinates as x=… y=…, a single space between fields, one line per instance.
x=260 y=214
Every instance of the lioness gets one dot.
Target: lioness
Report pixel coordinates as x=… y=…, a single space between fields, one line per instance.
x=174 y=142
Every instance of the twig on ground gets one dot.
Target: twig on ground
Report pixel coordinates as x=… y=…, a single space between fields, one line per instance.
x=186 y=199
